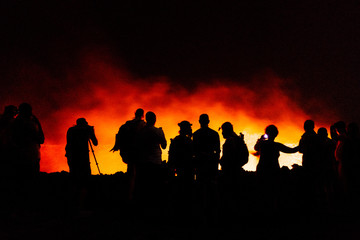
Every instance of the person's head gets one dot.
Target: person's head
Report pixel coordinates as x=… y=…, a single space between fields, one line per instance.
x=185 y=128
x=25 y=110
x=204 y=120
x=340 y=127
x=309 y=125
x=150 y=118
x=81 y=122
x=227 y=129
x=271 y=131
x=10 y=111
x=322 y=132
x=139 y=113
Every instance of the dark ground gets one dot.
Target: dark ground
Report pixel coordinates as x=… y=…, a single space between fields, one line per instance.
x=48 y=213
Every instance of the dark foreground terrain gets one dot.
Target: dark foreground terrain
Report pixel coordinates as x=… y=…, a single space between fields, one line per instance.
x=48 y=211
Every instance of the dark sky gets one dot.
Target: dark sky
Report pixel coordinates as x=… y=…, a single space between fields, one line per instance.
x=313 y=44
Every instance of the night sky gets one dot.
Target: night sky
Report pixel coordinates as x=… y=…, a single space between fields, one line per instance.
x=312 y=45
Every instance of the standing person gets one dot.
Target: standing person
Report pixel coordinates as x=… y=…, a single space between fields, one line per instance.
x=309 y=146
x=77 y=153
x=181 y=162
x=127 y=141
x=235 y=153
x=235 y=156
x=268 y=168
x=207 y=154
x=329 y=173
x=181 y=152
x=149 y=175
x=28 y=136
x=206 y=150
x=77 y=148
x=269 y=150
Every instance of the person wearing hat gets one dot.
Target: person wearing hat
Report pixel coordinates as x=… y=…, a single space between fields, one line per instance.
x=181 y=153
x=181 y=163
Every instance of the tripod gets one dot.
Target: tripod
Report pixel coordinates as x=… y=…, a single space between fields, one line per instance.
x=97 y=164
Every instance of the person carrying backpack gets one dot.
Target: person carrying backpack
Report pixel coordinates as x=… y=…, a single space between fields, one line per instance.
x=127 y=143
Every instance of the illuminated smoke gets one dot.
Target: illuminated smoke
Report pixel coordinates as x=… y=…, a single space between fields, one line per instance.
x=108 y=96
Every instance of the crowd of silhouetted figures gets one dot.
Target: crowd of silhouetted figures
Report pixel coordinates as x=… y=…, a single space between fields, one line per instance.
x=189 y=187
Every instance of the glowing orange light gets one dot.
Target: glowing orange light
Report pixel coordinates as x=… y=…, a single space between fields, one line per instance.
x=114 y=99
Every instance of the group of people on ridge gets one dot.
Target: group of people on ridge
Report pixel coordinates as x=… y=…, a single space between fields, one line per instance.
x=191 y=155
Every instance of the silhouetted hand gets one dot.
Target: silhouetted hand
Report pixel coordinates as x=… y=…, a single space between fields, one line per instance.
x=241 y=135
x=114 y=149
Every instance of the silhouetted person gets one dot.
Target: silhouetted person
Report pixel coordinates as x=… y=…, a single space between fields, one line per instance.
x=206 y=150
x=328 y=161
x=268 y=168
x=149 y=169
x=77 y=148
x=235 y=156
x=181 y=162
x=181 y=152
x=7 y=145
x=269 y=151
x=235 y=153
x=127 y=141
x=207 y=154
x=77 y=153
x=309 y=146
x=28 y=136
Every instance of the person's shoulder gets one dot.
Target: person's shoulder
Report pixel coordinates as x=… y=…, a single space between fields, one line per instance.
x=71 y=129
x=213 y=132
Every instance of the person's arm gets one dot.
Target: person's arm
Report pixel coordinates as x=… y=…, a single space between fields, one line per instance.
x=163 y=142
x=93 y=137
x=286 y=149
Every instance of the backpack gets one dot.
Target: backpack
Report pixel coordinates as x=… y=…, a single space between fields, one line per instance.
x=244 y=152
x=122 y=142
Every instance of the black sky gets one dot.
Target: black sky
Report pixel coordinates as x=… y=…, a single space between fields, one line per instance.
x=314 y=44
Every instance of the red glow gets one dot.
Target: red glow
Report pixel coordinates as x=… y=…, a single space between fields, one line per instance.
x=111 y=96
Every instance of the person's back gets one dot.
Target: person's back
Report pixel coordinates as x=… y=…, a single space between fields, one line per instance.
x=130 y=142
x=149 y=175
x=235 y=152
x=77 y=147
x=27 y=136
x=151 y=138
x=269 y=158
x=309 y=146
x=206 y=149
x=270 y=152
x=181 y=152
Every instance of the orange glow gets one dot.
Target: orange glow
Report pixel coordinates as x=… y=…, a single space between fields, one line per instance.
x=112 y=96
